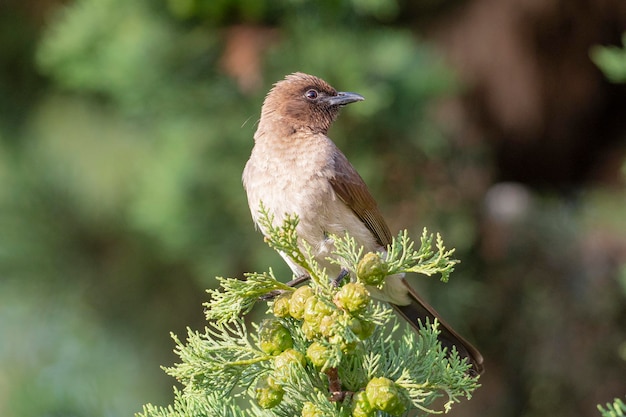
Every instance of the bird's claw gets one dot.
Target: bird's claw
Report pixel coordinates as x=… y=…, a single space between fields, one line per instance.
x=342 y=275
x=293 y=283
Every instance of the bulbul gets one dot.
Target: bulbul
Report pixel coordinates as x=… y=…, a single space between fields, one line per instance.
x=295 y=168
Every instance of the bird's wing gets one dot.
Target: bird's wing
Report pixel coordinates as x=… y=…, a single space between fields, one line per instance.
x=351 y=189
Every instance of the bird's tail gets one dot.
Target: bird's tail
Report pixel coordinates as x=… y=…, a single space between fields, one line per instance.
x=418 y=309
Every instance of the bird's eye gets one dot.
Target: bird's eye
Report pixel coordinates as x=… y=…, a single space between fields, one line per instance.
x=311 y=94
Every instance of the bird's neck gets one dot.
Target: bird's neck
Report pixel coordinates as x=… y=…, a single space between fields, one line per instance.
x=307 y=150
x=278 y=130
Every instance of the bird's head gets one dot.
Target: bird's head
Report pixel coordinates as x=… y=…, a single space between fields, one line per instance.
x=305 y=101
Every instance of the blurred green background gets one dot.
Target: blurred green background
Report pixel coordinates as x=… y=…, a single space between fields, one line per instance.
x=125 y=125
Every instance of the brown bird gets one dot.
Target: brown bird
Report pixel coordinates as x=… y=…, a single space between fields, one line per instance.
x=295 y=168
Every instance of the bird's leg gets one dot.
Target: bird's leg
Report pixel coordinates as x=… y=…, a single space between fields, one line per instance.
x=293 y=283
x=342 y=274
x=299 y=280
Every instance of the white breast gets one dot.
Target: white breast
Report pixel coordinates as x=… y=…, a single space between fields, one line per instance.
x=304 y=190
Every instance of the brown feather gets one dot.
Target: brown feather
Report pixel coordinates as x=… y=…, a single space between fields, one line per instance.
x=352 y=190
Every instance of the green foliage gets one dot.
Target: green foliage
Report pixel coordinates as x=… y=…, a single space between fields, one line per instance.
x=95 y=62
x=615 y=409
x=208 y=404
x=59 y=359
x=426 y=260
x=123 y=137
x=396 y=367
x=611 y=60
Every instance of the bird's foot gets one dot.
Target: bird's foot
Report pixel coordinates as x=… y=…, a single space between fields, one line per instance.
x=293 y=283
x=342 y=275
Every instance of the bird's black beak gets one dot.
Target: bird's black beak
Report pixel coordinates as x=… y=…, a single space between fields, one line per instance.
x=342 y=98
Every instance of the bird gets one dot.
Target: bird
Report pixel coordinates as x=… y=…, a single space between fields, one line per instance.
x=296 y=169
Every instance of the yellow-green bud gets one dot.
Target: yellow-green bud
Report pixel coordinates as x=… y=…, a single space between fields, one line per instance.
x=353 y=297
x=268 y=393
x=283 y=362
x=383 y=394
x=318 y=354
x=361 y=328
x=346 y=347
x=289 y=356
x=328 y=325
x=371 y=269
x=281 y=305
x=298 y=301
x=310 y=410
x=310 y=331
x=315 y=309
x=274 y=337
x=361 y=406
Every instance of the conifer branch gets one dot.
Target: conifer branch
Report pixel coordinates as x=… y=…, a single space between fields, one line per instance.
x=403 y=258
x=238 y=297
x=615 y=409
x=377 y=366
x=284 y=238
